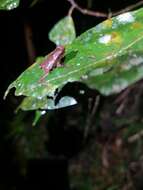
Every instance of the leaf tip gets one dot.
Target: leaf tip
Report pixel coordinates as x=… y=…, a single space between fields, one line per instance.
x=7 y=91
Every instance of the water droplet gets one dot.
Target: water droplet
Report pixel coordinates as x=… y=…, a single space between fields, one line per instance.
x=12 y=5
x=19 y=94
x=82 y=92
x=105 y=39
x=39 y=97
x=84 y=77
x=19 y=84
x=43 y=112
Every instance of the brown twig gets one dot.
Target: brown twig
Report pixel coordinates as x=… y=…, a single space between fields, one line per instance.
x=71 y=10
x=29 y=43
x=74 y=5
x=135 y=137
x=129 y=8
x=91 y=116
x=85 y=11
x=122 y=100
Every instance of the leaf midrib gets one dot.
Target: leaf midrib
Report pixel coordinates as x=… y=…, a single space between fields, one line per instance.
x=92 y=64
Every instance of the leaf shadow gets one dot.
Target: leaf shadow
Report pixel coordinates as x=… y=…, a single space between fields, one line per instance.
x=70 y=55
x=79 y=91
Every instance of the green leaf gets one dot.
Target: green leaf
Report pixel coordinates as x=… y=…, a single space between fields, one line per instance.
x=30 y=103
x=108 y=57
x=40 y=105
x=127 y=70
x=63 y=32
x=38 y=115
x=9 y=4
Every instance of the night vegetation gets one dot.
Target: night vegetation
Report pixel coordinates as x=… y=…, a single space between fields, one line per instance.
x=71 y=95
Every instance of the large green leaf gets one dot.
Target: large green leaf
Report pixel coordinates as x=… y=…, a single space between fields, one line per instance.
x=63 y=32
x=9 y=4
x=108 y=57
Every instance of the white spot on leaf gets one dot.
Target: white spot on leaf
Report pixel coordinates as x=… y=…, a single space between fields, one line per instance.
x=118 y=85
x=84 y=77
x=12 y=5
x=125 y=18
x=105 y=39
x=133 y=62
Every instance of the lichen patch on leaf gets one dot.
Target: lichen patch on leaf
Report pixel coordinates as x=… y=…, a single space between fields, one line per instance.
x=105 y=39
x=126 y=18
x=116 y=38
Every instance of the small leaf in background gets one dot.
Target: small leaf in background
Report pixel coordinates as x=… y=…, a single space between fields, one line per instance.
x=9 y=4
x=40 y=105
x=38 y=115
x=63 y=32
x=63 y=102
x=30 y=103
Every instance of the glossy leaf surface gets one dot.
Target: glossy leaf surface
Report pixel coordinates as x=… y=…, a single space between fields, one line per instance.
x=30 y=103
x=9 y=4
x=108 y=57
x=63 y=32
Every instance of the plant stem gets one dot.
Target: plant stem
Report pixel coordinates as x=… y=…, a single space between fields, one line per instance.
x=74 y=5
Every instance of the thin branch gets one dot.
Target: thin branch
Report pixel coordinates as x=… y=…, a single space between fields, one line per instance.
x=135 y=137
x=71 y=10
x=129 y=8
x=91 y=116
x=85 y=11
x=74 y=5
x=29 y=43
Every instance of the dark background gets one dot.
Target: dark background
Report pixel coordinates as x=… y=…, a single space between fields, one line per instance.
x=13 y=60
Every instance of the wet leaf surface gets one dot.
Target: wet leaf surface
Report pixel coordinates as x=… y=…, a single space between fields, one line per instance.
x=63 y=32
x=37 y=117
x=107 y=57
x=30 y=103
x=9 y=4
